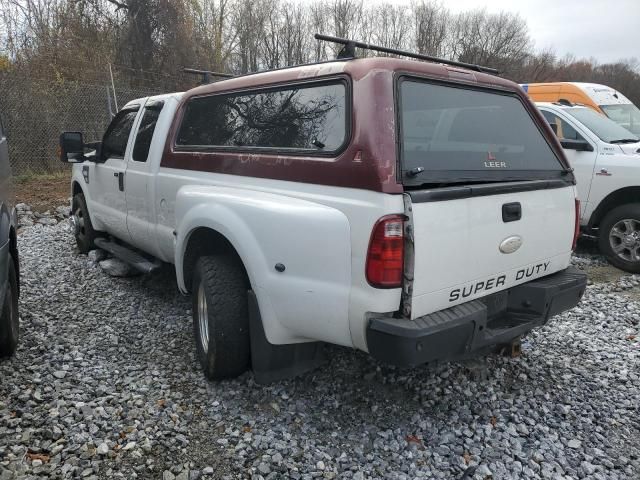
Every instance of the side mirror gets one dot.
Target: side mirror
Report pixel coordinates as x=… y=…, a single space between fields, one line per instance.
x=71 y=147
x=578 y=145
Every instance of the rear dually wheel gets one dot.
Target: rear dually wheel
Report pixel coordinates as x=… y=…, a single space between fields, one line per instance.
x=221 y=316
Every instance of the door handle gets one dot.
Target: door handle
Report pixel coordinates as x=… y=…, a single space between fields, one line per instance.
x=511 y=212
x=120 y=176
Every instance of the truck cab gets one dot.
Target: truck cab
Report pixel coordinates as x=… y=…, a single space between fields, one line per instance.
x=121 y=175
x=606 y=161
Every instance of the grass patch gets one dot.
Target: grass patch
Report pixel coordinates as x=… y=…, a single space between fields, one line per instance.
x=32 y=177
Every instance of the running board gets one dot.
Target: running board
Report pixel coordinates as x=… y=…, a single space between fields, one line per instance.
x=128 y=255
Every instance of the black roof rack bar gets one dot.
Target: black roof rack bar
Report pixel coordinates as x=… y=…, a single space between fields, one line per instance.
x=206 y=74
x=351 y=43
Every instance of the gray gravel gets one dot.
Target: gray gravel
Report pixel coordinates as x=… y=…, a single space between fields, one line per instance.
x=105 y=385
x=27 y=217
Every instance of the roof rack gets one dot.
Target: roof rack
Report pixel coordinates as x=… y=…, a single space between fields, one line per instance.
x=349 y=51
x=206 y=74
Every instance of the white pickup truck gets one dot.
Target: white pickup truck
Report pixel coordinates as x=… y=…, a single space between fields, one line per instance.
x=416 y=211
x=606 y=162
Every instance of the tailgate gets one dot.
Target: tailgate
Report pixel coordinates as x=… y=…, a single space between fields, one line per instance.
x=465 y=248
x=492 y=200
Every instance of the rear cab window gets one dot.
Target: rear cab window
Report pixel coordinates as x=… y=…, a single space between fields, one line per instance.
x=457 y=134
x=306 y=118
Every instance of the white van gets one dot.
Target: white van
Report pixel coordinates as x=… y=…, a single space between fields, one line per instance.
x=598 y=97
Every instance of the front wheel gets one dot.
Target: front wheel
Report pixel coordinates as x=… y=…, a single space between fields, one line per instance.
x=9 y=318
x=619 y=238
x=221 y=316
x=82 y=226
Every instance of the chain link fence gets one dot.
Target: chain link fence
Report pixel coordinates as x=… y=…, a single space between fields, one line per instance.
x=35 y=111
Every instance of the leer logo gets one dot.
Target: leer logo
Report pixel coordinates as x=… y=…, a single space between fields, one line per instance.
x=492 y=163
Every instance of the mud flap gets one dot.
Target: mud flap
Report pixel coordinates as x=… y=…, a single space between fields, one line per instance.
x=271 y=363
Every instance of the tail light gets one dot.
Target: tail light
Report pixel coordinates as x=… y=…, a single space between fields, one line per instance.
x=576 y=231
x=385 y=257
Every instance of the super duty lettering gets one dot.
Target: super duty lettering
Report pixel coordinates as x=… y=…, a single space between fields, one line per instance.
x=532 y=270
x=474 y=288
x=500 y=281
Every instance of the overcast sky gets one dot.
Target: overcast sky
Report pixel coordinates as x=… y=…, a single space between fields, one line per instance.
x=607 y=30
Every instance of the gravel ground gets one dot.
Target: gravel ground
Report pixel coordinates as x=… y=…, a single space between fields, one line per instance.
x=105 y=384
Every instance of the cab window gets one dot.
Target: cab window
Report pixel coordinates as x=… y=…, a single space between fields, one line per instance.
x=114 y=143
x=145 y=131
x=310 y=118
x=564 y=131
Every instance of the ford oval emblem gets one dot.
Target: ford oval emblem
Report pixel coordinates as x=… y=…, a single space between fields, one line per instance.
x=511 y=244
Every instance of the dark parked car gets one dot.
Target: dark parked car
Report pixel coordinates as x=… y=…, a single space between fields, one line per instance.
x=9 y=265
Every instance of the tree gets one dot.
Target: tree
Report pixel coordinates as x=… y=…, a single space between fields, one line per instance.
x=148 y=42
x=390 y=26
x=430 y=27
x=498 y=40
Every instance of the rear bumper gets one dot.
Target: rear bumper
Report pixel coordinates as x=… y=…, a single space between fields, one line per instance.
x=475 y=327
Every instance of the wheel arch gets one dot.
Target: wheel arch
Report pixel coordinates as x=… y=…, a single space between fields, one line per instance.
x=204 y=240
x=616 y=198
x=76 y=188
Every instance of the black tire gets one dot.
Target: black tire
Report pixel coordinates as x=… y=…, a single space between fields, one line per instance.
x=84 y=232
x=220 y=280
x=9 y=318
x=619 y=237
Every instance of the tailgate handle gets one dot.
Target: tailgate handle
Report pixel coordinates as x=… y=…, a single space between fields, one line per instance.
x=511 y=212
